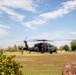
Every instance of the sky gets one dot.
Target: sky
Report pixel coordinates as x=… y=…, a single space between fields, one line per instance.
x=37 y=19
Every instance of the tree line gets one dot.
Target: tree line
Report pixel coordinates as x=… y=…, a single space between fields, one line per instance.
x=67 y=48
x=13 y=49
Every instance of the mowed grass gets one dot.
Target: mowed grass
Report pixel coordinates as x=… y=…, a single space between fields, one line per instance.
x=43 y=64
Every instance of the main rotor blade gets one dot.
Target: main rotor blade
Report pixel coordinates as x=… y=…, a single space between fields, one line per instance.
x=43 y=40
x=64 y=39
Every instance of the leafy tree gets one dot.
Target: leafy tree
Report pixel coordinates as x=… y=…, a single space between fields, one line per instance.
x=61 y=48
x=9 y=49
x=73 y=45
x=66 y=48
x=15 y=48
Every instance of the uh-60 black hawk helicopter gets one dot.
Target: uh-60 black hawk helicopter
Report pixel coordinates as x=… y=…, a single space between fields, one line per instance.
x=39 y=47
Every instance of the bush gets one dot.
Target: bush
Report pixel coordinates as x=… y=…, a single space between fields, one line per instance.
x=8 y=66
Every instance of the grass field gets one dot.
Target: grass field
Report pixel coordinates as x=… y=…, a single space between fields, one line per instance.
x=43 y=64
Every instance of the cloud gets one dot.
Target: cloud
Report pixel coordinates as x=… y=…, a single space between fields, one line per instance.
x=35 y=22
x=72 y=33
x=28 y=5
x=3 y=29
x=57 y=35
x=28 y=25
x=65 y=8
x=4 y=26
x=12 y=14
x=9 y=7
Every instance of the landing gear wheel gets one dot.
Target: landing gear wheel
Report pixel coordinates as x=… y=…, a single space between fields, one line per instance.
x=50 y=52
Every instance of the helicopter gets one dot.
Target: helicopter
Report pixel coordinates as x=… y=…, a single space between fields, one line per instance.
x=41 y=47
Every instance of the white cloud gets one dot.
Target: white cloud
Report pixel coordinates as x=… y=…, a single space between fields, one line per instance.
x=9 y=7
x=28 y=5
x=64 y=9
x=28 y=25
x=4 y=26
x=73 y=33
x=3 y=30
x=13 y=15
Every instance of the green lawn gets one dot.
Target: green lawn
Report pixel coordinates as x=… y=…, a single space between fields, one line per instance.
x=43 y=64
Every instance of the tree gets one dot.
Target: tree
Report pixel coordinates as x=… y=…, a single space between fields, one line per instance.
x=73 y=45
x=15 y=48
x=61 y=48
x=66 y=48
x=10 y=49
